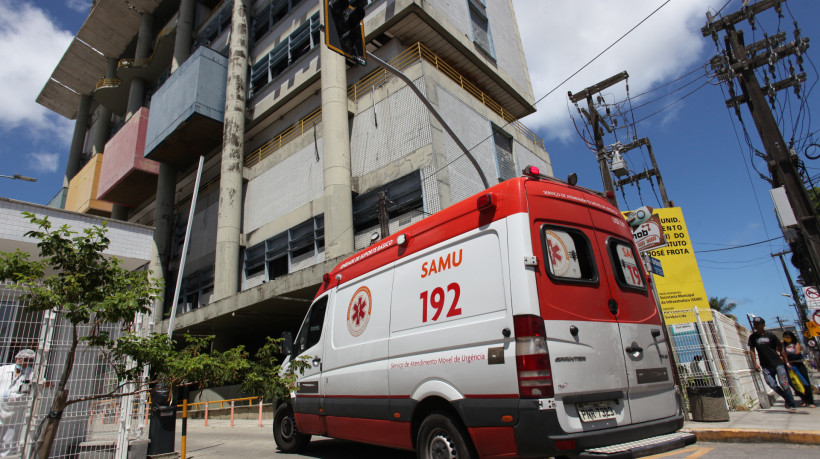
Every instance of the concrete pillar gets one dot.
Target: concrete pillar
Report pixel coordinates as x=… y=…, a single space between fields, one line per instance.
x=136 y=93
x=229 y=219
x=163 y=224
x=75 y=152
x=336 y=155
x=185 y=30
x=104 y=120
x=166 y=182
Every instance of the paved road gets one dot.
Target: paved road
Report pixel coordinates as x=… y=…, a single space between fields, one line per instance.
x=219 y=440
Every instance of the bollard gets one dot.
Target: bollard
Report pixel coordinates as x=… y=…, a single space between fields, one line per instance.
x=183 y=440
x=231 y=413
x=206 y=413
x=260 y=412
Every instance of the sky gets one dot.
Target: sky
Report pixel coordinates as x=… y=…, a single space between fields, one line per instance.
x=702 y=152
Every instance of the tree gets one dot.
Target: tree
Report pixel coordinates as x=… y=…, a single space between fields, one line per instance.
x=73 y=279
x=720 y=305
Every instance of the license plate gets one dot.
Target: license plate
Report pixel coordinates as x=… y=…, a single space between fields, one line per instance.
x=595 y=411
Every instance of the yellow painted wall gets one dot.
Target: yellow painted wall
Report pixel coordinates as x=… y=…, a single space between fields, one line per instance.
x=83 y=188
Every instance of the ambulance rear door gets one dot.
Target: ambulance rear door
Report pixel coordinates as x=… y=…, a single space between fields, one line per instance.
x=583 y=340
x=644 y=349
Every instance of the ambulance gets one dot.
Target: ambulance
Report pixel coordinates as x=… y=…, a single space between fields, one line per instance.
x=515 y=323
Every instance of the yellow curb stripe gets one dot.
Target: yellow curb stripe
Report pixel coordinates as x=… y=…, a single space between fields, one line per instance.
x=807 y=437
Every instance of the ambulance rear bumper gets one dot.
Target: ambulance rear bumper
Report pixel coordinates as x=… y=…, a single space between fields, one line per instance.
x=538 y=434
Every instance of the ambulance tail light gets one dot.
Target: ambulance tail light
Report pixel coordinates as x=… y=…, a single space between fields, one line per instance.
x=532 y=358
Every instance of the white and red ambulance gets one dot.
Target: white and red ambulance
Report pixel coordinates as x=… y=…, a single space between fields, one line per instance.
x=516 y=323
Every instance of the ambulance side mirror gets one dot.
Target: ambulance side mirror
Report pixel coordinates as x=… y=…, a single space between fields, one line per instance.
x=287 y=343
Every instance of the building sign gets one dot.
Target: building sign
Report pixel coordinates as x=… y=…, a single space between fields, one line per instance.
x=681 y=288
x=649 y=235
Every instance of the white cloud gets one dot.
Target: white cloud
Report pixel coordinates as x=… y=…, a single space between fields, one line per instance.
x=80 y=6
x=560 y=36
x=44 y=162
x=32 y=47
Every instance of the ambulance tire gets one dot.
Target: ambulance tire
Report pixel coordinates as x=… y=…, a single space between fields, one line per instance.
x=285 y=433
x=442 y=437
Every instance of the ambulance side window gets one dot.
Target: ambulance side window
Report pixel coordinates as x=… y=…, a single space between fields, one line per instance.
x=568 y=254
x=626 y=265
x=311 y=330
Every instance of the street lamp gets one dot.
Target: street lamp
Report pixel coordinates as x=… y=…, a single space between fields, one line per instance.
x=19 y=177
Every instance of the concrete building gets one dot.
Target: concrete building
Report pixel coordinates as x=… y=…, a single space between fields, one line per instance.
x=306 y=155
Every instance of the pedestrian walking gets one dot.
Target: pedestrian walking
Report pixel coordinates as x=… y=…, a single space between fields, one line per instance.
x=15 y=384
x=794 y=353
x=768 y=351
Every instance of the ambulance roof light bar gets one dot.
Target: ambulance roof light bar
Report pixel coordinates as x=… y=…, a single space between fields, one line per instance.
x=535 y=173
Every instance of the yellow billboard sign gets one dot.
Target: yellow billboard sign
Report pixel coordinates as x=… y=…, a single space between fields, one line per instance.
x=681 y=288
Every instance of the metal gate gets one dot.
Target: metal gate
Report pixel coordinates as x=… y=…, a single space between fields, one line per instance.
x=94 y=428
x=715 y=353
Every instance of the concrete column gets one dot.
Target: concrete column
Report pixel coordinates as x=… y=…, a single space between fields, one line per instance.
x=185 y=30
x=75 y=152
x=166 y=183
x=136 y=93
x=104 y=120
x=229 y=219
x=163 y=224
x=336 y=155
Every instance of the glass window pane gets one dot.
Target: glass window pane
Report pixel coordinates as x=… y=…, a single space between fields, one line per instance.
x=627 y=270
x=568 y=254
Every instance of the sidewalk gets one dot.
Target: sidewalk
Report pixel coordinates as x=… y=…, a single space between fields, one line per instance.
x=770 y=425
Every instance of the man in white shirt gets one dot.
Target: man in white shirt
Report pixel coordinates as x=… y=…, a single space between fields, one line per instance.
x=15 y=386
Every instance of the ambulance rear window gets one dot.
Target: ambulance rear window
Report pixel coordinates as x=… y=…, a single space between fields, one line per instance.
x=626 y=265
x=569 y=254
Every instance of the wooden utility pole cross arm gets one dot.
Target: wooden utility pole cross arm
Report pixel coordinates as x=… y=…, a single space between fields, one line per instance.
x=596 y=88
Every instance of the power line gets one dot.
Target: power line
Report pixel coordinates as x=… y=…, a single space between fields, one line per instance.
x=740 y=246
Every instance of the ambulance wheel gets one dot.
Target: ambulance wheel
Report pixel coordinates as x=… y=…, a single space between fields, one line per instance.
x=285 y=433
x=441 y=438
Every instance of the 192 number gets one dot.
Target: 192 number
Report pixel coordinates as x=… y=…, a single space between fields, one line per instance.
x=436 y=301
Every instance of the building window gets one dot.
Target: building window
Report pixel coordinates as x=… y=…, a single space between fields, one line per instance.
x=270 y=16
x=285 y=54
x=504 y=159
x=218 y=23
x=402 y=196
x=481 y=26
x=276 y=255
x=197 y=290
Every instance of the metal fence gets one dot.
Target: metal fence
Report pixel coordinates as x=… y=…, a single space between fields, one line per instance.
x=715 y=353
x=94 y=428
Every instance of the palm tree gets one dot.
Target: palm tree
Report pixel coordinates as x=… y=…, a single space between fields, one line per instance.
x=720 y=305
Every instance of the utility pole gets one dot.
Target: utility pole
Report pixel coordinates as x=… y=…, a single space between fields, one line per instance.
x=654 y=172
x=740 y=64
x=801 y=309
x=595 y=120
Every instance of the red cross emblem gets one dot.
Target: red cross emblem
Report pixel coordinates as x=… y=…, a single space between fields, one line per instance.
x=358 y=311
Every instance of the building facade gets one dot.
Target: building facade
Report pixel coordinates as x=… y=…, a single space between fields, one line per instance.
x=307 y=157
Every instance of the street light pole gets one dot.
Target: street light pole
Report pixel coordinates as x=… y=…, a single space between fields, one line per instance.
x=19 y=177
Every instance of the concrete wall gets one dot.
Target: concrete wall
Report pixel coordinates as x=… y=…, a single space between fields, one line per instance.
x=129 y=242
x=294 y=181
x=197 y=86
x=202 y=244
x=399 y=124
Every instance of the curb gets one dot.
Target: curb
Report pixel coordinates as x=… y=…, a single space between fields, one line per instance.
x=802 y=437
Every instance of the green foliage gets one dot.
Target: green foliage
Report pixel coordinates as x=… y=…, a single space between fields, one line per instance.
x=268 y=378
x=73 y=278
x=720 y=305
